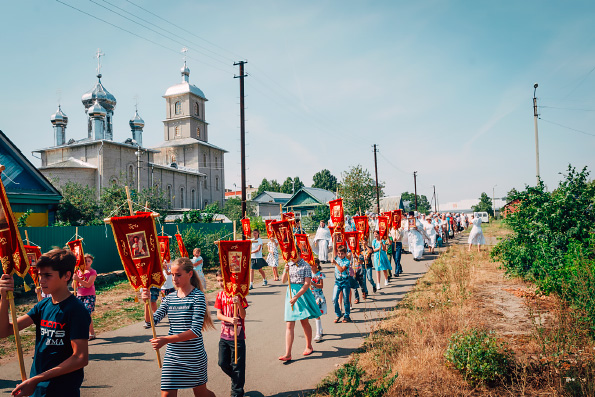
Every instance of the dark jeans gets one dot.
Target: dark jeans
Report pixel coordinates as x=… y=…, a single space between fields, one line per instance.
x=361 y=280
x=397 y=257
x=342 y=285
x=370 y=277
x=237 y=372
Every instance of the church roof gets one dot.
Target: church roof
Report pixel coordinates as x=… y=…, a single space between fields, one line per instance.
x=310 y=196
x=179 y=168
x=71 y=162
x=272 y=197
x=88 y=141
x=184 y=88
x=187 y=141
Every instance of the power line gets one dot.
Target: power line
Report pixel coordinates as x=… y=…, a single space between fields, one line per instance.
x=565 y=108
x=580 y=83
x=568 y=128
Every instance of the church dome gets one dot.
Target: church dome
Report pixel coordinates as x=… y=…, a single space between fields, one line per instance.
x=59 y=117
x=184 y=87
x=97 y=110
x=136 y=121
x=100 y=94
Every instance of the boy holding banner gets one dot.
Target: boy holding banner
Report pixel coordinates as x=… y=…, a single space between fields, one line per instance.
x=62 y=322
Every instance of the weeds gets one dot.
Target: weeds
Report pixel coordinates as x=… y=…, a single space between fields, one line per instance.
x=349 y=381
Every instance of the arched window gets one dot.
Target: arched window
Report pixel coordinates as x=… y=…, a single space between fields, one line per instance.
x=216 y=162
x=178 y=107
x=178 y=131
x=198 y=132
x=205 y=183
x=193 y=198
x=206 y=203
x=169 y=197
x=217 y=182
x=204 y=160
x=130 y=175
x=196 y=109
x=182 y=197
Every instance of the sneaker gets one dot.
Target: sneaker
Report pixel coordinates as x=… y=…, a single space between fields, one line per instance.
x=147 y=325
x=317 y=338
x=373 y=288
x=265 y=283
x=251 y=286
x=347 y=319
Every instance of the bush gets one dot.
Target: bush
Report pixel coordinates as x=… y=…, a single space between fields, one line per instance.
x=348 y=382
x=479 y=356
x=193 y=239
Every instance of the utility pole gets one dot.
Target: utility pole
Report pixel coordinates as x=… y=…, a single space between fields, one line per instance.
x=377 y=189
x=242 y=138
x=415 y=185
x=536 y=134
x=435 y=199
x=494 y=201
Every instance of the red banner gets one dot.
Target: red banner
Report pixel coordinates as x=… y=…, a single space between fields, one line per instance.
x=234 y=257
x=182 y=247
x=397 y=216
x=76 y=246
x=336 y=207
x=383 y=226
x=337 y=235
x=352 y=239
x=270 y=233
x=362 y=225
x=389 y=216
x=284 y=234
x=304 y=245
x=246 y=228
x=33 y=254
x=164 y=248
x=138 y=246
x=289 y=216
x=12 y=253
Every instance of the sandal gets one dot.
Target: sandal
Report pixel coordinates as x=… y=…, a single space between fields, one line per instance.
x=307 y=353
x=347 y=320
x=356 y=301
x=337 y=320
x=285 y=358
x=92 y=337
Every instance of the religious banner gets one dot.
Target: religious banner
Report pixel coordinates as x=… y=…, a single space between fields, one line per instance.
x=164 y=248
x=383 y=226
x=411 y=222
x=289 y=216
x=397 y=216
x=270 y=233
x=12 y=253
x=33 y=254
x=76 y=246
x=389 y=216
x=352 y=239
x=138 y=247
x=284 y=235
x=234 y=257
x=305 y=249
x=246 y=228
x=336 y=207
x=337 y=235
x=362 y=225
x=181 y=246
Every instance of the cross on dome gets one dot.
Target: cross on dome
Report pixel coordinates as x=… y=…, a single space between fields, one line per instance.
x=98 y=55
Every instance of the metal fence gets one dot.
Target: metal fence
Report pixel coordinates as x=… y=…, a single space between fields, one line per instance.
x=99 y=240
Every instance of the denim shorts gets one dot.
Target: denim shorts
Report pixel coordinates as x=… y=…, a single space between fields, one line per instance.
x=154 y=293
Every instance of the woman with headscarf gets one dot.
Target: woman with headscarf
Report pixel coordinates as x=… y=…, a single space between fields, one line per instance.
x=415 y=236
x=322 y=239
x=476 y=235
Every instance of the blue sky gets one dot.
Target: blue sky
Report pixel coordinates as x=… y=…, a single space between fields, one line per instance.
x=443 y=88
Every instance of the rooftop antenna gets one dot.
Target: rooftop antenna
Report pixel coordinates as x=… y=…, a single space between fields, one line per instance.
x=98 y=55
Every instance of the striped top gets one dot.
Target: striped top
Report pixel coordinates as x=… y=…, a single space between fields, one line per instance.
x=185 y=363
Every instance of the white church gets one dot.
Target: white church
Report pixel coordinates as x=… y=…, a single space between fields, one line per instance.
x=188 y=168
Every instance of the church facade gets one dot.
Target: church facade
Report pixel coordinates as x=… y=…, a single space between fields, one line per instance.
x=188 y=168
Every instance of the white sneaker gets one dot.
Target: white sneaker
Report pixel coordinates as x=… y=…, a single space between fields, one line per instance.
x=317 y=338
x=265 y=283
x=251 y=285
x=385 y=283
x=378 y=287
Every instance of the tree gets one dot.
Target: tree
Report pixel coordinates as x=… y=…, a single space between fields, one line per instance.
x=113 y=200
x=325 y=180
x=297 y=184
x=275 y=187
x=233 y=209
x=423 y=205
x=512 y=195
x=484 y=205
x=78 y=205
x=358 y=189
x=287 y=186
x=155 y=198
x=265 y=186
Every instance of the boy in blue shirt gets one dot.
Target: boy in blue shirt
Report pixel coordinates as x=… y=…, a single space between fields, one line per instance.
x=342 y=282
x=62 y=330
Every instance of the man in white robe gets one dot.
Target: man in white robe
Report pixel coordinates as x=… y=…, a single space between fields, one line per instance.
x=415 y=237
x=322 y=239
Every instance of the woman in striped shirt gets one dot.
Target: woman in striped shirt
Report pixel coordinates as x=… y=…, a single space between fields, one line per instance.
x=185 y=361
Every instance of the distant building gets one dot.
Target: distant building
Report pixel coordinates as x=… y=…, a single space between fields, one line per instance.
x=188 y=168
x=26 y=187
x=268 y=203
x=250 y=190
x=305 y=201
x=390 y=203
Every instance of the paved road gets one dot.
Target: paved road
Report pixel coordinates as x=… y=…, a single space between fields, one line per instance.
x=122 y=362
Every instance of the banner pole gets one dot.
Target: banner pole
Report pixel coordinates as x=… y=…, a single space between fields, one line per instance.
x=234 y=230
x=27 y=237
x=235 y=332
x=17 y=336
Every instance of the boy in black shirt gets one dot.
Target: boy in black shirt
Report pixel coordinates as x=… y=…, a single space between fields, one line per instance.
x=62 y=330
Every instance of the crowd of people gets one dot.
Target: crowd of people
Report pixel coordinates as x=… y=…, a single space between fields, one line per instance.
x=64 y=324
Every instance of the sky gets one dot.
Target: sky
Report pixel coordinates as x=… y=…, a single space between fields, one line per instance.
x=443 y=88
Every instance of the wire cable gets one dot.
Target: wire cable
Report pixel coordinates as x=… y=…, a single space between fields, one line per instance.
x=568 y=128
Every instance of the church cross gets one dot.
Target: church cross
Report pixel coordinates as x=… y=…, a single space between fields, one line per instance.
x=184 y=51
x=98 y=55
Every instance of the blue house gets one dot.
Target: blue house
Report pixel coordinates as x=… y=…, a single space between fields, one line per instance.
x=305 y=201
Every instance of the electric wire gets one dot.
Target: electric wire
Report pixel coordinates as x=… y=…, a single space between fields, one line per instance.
x=565 y=108
x=568 y=128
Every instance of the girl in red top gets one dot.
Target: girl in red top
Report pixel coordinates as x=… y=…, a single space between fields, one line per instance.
x=85 y=277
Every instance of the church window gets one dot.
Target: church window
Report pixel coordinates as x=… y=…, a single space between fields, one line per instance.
x=196 y=112
x=217 y=182
x=178 y=131
x=182 y=197
x=193 y=198
x=216 y=162
x=178 y=107
x=198 y=132
x=204 y=160
x=131 y=175
x=205 y=183
x=169 y=197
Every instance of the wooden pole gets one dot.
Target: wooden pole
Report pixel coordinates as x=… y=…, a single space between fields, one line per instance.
x=235 y=332
x=147 y=306
x=27 y=237
x=17 y=336
x=234 y=230
x=75 y=285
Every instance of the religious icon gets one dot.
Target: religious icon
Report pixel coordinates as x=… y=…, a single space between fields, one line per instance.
x=138 y=245
x=32 y=258
x=285 y=234
x=361 y=225
x=235 y=261
x=339 y=238
x=337 y=211
x=162 y=246
x=77 y=252
x=411 y=222
x=303 y=246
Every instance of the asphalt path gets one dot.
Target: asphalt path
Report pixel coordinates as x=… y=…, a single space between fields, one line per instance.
x=122 y=362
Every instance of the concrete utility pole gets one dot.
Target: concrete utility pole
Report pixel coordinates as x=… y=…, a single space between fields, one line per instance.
x=536 y=134
x=435 y=199
x=494 y=201
x=415 y=185
x=377 y=189
x=242 y=138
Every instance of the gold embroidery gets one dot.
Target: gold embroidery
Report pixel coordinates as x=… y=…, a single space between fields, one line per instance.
x=152 y=242
x=144 y=278
x=124 y=250
x=132 y=226
x=17 y=260
x=3 y=240
x=5 y=263
x=133 y=279
x=156 y=277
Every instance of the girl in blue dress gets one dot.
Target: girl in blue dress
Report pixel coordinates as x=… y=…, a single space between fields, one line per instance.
x=381 y=262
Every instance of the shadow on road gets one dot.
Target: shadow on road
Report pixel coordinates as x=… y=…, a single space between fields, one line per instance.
x=8 y=384
x=118 y=357
x=295 y=393
x=123 y=339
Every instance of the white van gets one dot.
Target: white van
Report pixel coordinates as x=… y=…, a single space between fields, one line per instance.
x=485 y=218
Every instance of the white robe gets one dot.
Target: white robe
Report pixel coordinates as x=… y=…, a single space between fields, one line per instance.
x=322 y=240
x=416 y=240
x=476 y=235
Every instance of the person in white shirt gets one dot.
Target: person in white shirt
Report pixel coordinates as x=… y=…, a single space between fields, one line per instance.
x=257 y=261
x=322 y=240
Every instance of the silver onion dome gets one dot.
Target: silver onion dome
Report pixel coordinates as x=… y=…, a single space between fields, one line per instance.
x=136 y=122
x=100 y=94
x=96 y=110
x=185 y=71
x=59 y=117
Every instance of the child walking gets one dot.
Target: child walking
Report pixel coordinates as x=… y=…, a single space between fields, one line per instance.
x=198 y=262
x=317 y=285
x=360 y=278
x=273 y=258
x=225 y=313
x=61 y=351
x=185 y=361
x=342 y=282
x=86 y=289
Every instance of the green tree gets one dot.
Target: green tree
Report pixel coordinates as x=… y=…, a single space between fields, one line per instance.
x=358 y=189
x=287 y=186
x=233 y=209
x=265 y=186
x=325 y=180
x=113 y=200
x=512 y=195
x=423 y=205
x=78 y=205
x=297 y=184
x=275 y=187
x=155 y=198
x=484 y=205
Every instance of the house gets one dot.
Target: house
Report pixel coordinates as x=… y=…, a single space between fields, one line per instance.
x=268 y=204
x=390 y=203
x=305 y=201
x=26 y=187
x=250 y=190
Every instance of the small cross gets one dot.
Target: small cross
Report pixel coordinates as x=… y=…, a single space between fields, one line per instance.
x=136 y=102
x=98 y=55
x=184 y=51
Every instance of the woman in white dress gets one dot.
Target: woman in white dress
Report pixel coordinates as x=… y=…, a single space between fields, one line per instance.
x=476 y=235
x=322 y=239
x=415 y=237
x=430 y=229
